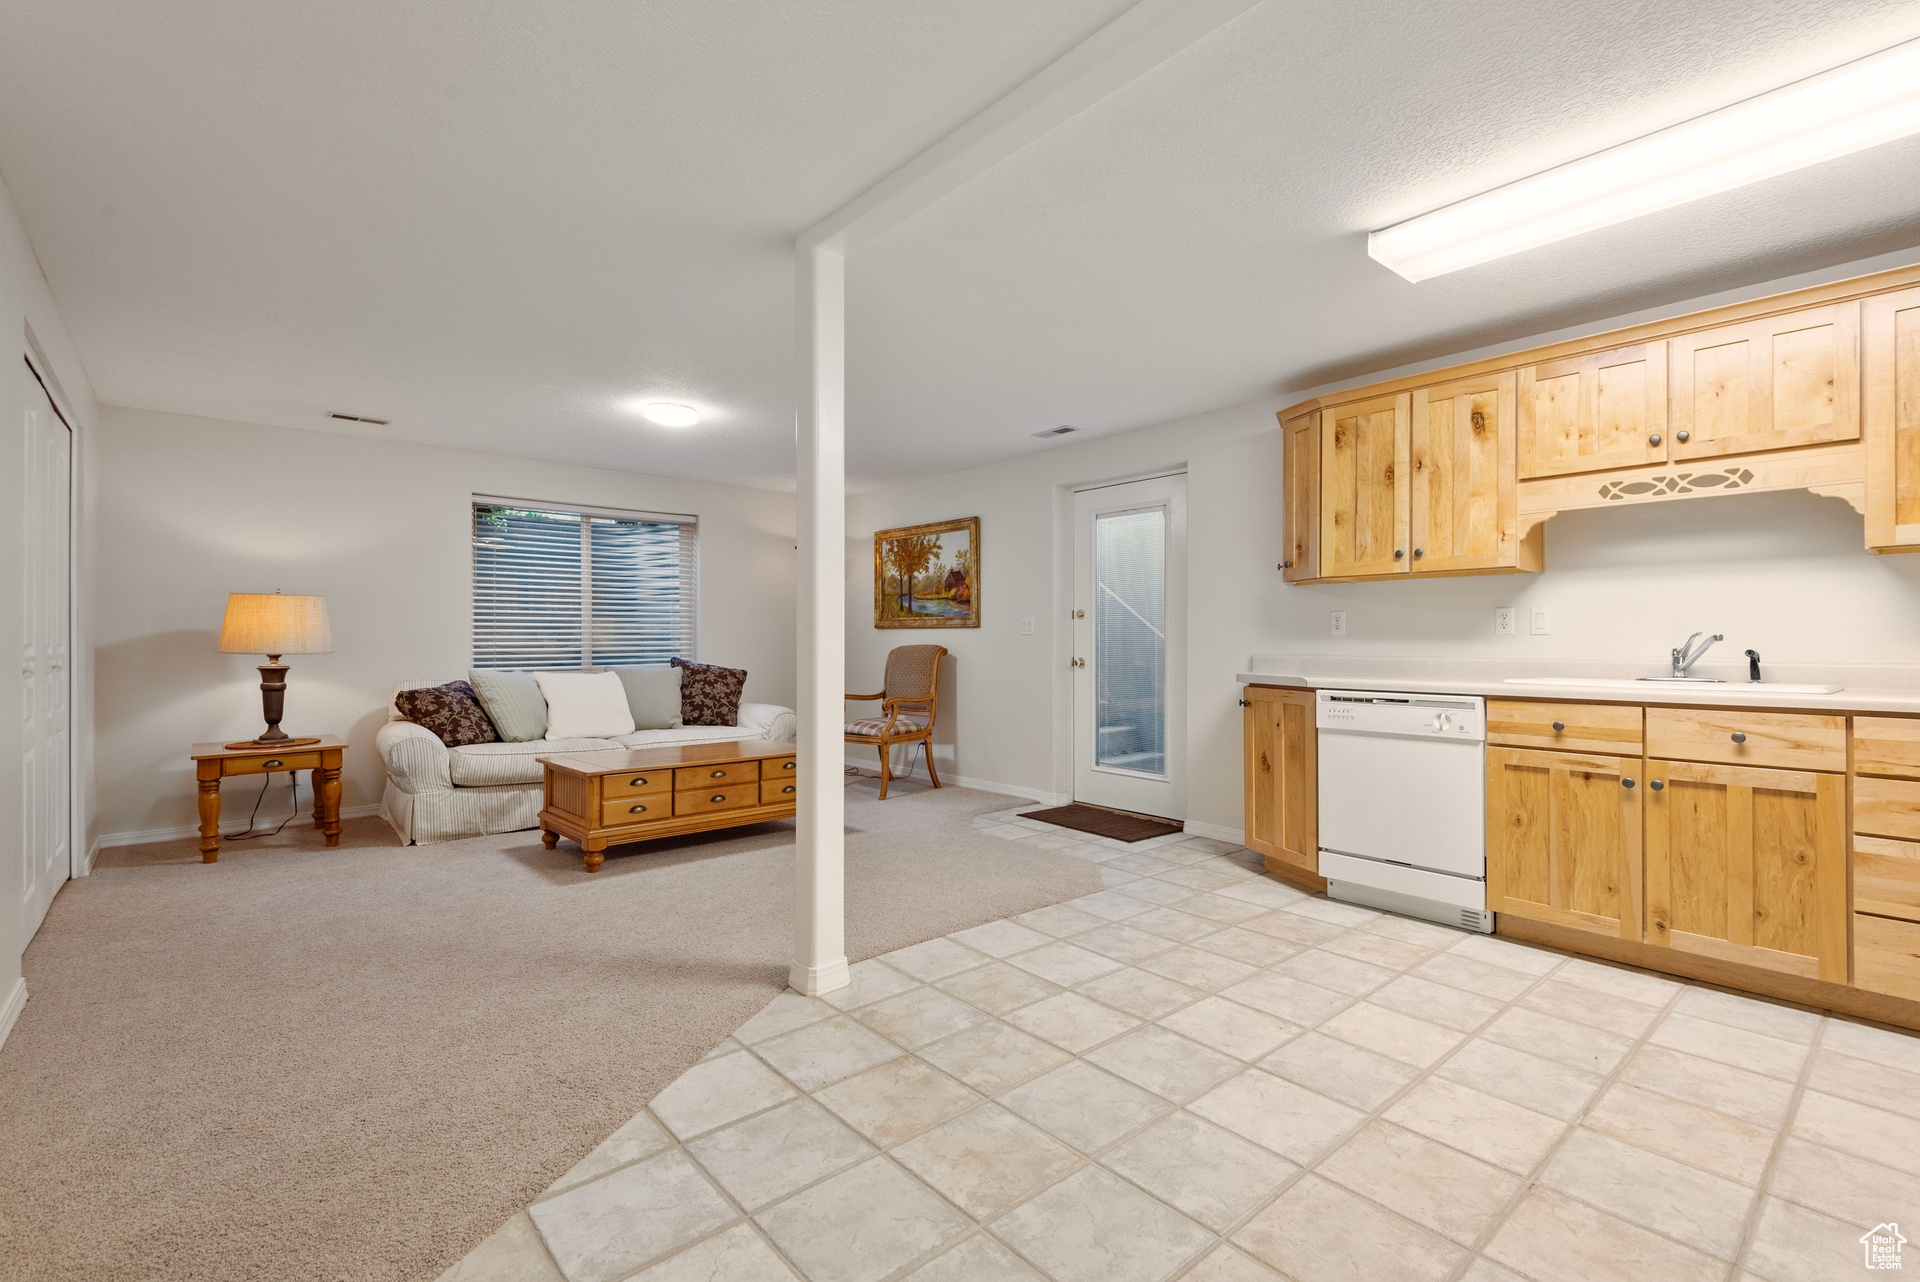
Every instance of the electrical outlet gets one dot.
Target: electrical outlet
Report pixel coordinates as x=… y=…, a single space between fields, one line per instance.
x=1541 y=624
x=1503 y=624
x=1026 y=627
x=1339 y=623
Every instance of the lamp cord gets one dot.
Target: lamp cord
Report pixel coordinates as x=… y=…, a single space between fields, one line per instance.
x=293 y=776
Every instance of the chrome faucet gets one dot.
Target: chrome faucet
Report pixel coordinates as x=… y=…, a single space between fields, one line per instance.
x=1685 y=656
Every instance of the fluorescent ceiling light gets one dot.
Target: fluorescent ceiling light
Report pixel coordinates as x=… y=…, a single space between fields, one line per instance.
x=668 y=414
x=1836 y=113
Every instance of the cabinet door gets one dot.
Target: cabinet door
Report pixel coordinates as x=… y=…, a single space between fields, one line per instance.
x=1594 y=412
x=1767 y=384
x=1749 y=866
x=1891 y=367
x=1465 y=502
x=1301 y=560
x=1563 y=839
x=1363 y=487
x=1282 y=784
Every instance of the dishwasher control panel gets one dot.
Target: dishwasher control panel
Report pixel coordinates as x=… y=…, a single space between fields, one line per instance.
x=1462 y=718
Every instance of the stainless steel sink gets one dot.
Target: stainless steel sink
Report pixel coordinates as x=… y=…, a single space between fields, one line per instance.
x=1646 y=684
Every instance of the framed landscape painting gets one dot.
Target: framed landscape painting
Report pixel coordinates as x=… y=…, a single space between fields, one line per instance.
x=927 y=576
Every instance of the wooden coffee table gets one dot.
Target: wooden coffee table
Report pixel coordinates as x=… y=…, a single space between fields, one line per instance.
x=603 y=799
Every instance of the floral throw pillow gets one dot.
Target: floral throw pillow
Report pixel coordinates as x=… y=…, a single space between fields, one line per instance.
x=709 y=696
x=451 y=711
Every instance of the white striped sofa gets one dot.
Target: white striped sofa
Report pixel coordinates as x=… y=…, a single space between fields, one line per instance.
x=437 y=793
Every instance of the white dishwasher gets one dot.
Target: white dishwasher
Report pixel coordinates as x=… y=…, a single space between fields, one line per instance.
x=1403 y=810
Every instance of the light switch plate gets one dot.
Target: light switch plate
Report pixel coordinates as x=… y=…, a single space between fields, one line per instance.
x=1503 y=621
x=1541 y=617
x=1026 y=627
x=1339 y=623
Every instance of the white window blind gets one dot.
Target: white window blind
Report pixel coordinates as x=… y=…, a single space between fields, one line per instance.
x=582 y=587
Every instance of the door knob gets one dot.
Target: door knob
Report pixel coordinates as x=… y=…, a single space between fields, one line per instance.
x=1079 y=663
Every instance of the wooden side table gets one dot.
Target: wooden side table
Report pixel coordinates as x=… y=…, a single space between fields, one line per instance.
x=214 y=762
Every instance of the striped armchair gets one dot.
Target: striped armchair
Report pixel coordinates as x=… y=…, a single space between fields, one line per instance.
x=908 y=706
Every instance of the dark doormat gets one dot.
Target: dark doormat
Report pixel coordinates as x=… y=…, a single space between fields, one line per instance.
x=1116 y=824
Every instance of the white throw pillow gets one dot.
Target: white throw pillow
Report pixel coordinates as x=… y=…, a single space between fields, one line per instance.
x=585 y=705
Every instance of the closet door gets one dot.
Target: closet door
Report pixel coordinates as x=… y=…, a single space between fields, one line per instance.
x=45 y=810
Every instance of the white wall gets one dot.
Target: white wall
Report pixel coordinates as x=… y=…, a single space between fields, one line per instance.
x=1785 y=574
x=29 y=317
x=191 y=509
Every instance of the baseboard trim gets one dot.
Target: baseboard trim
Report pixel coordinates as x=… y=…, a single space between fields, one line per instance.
x=968 y=781
x=144 y=836
x=1219 y=832
x=10 y=1012
x=814 y=980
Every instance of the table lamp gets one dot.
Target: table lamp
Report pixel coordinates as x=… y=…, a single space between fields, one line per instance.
x=271 y=624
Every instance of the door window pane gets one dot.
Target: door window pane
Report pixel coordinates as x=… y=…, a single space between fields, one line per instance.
x=1130 y=640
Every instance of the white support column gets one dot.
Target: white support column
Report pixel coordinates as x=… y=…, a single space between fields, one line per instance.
x=819 y=909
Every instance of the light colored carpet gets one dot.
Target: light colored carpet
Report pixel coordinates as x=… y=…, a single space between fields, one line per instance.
x=356 y=1063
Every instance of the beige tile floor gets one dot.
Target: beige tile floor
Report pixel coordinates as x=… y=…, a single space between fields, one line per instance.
x=1202 y=1073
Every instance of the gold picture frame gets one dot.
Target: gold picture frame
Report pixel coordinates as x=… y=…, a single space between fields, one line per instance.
x=925 y=577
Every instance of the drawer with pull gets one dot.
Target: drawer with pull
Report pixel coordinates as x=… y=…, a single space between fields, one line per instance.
x=266 y=765
x=701 y=801
x=778 y=792
x=640 y=808
x=639 y=783
x=779 y=768
x=1736 y=737
x=716 y=776
x=1567 y=727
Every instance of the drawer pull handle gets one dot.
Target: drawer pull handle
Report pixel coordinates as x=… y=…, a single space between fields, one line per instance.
x=1738 y=737
x=637 y=782
x=1628 y=783
x=789 y=765
x=718 y=774
x=788 y=788
x=1558 y=726
x=1656 y=785
x=269 y=765
x=718 y=797
x=636 y=810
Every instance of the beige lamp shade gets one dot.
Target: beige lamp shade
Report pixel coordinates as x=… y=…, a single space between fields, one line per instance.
x=269 y=623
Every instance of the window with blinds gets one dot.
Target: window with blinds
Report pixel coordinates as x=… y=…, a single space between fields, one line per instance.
x=582 y=587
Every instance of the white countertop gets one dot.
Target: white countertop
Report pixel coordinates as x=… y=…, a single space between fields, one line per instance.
x=1885 y=688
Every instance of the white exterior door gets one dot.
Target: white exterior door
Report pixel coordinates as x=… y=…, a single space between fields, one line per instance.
x=45 y=808
x=1130 y=647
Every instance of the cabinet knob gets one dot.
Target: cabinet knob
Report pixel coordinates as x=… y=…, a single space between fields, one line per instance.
x=1656 y=785
x=1398 y=553
x=1654 y=439
x=636 y=810
x=1418 y=553
x=1738 y=737
x=1558 y=726
x=1286 y=565
x=1683 y=436
x=1626 y=783
x=717 y=797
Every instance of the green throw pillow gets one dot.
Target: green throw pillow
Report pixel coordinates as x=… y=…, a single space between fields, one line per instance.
x=653 y=696
x=514 y=702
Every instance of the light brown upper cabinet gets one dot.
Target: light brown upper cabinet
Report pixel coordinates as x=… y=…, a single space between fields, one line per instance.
x=1892 y=365
x=1363 y=487
x=1464 y=508
x=1767 y=384
x=1594 y=412
x=1301 y=560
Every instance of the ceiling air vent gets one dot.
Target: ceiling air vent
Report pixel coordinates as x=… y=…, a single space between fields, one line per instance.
x=361 y=418
x=1061 y=430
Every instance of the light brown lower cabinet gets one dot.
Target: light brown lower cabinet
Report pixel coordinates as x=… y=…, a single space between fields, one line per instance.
x=1563 y=839
x=1749 y=865
x=1282 y=782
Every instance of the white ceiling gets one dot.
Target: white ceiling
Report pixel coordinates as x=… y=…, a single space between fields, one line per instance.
x=496 y=223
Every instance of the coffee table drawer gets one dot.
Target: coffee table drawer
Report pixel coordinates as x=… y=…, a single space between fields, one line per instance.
x=779 y=768
x=263 y=765
x=716 y=776
x=774 y=792
x=704 y=801
x=641 y=808
x=637 y=784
